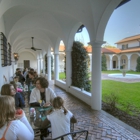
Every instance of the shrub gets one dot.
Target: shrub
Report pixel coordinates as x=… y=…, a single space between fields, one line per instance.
x=104 y=67
x=80 y=66
x=111 y=100
x=138 y=64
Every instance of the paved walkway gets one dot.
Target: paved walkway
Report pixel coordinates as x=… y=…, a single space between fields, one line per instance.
x=101 y=126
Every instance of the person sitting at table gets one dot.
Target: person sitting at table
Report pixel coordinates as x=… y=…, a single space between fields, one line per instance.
x=13 y=126
x=41 y=92
x=64 y=116
x=19 y=85
x=9 y=89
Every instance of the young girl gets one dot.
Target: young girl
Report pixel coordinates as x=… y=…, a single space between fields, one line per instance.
x=9 y=89
x=60 y=119
x=13 y=126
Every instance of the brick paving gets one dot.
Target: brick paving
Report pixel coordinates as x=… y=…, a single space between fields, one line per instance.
x=100 y=125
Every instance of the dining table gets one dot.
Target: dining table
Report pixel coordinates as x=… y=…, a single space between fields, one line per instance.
x=40 y=114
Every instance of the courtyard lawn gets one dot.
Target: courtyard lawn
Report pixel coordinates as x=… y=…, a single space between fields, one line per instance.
x=118 y=71
x=61 y=75
x=127 y=93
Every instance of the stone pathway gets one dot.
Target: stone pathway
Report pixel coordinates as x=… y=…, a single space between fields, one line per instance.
x=100 y=125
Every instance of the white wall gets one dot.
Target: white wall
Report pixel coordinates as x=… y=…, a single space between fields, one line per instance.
x=133 y=62
x=126 y=61
x=130 y=44
x=8 y=70
x=108 y=62
x=28 y=56
x=82 y=95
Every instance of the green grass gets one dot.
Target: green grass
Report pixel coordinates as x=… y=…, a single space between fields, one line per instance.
x=118 y=71
x=61 y=75
x=127 y=93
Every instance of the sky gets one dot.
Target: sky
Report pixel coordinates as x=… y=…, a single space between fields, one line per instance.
x=124 y=22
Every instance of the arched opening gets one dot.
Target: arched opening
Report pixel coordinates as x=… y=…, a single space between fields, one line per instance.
x=62 y=61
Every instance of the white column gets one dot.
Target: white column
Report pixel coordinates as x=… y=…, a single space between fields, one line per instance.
x=44 y=65
x=110 y=63
x=119 y=63
x=56 y=66
x=38 y=66
x=96 y=75
x=68 y=69
x=41 y=64
x=128 y=57
x=49 y=67
x=128 y=63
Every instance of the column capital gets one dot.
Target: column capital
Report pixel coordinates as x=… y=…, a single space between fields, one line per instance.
x=96 y=42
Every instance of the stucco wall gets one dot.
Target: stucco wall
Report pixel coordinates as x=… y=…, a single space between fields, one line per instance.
x=130 y=44
x=133 y=62
x=27 y=56
x=8 y=70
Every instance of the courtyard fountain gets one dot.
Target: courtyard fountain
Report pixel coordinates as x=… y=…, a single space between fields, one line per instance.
x=124 y=75
x=123 y=72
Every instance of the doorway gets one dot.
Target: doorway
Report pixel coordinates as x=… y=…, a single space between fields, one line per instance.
x=26 y=63
x=114 y=64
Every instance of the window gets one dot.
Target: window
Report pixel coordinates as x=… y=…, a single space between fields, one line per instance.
x=123 y=61
x=4 y=52
x=124 y=46
x=9 y=54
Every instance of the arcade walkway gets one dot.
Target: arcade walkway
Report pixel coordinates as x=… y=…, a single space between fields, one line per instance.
x=101 y=126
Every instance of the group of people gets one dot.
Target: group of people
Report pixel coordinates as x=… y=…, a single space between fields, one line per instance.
x=14 y=126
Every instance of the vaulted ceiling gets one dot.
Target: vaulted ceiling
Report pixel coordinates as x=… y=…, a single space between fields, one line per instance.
x=50 y=21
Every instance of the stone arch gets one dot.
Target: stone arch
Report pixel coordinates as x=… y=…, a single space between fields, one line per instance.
x=124 y=61
x=107 y=61
x=133 y=61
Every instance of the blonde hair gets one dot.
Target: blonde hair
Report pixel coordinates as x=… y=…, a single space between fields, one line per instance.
x=7 y=109
x=58 y=102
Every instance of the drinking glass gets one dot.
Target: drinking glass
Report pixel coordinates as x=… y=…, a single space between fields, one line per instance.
x=42 y=103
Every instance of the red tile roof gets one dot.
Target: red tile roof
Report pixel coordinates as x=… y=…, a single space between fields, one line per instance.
x=136 y=37
x=114 y=50
x=105 y=50
x=61 y=48
x=88 y=49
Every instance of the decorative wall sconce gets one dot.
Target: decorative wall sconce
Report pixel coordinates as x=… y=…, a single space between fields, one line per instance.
x=16 y=56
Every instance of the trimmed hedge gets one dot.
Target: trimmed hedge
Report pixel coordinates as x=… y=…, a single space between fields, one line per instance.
x=80 y=60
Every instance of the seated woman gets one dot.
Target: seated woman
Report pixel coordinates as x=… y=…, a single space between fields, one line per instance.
x=13 y=126
x=9 y=89
x=41 y=92
x=64 y=116
x=19 y=85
